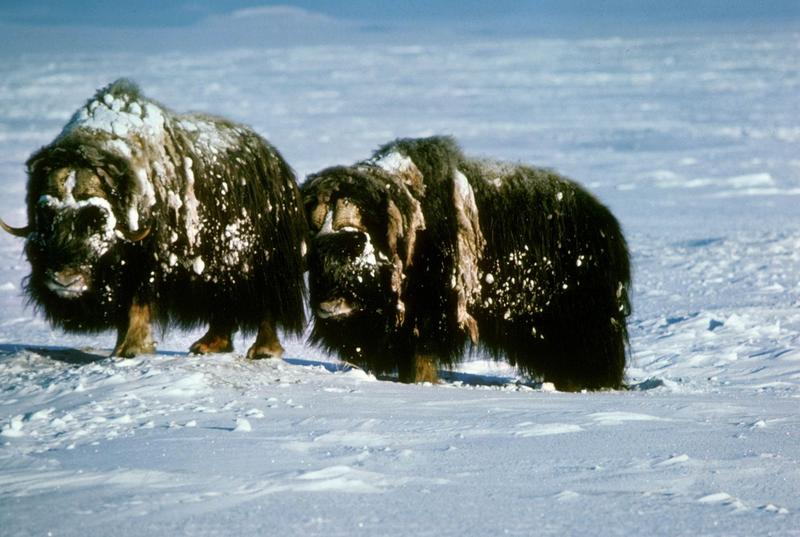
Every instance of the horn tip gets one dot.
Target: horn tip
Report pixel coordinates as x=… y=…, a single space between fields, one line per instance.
x=16 y=231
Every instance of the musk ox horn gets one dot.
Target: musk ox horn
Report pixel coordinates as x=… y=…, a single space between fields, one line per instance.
x=16 y=231
x=136 y=236
x=347 y=214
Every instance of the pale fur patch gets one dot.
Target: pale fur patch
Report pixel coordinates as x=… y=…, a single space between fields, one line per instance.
x=469 y=248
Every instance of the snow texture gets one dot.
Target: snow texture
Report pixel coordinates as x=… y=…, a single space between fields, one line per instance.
x=692 y=141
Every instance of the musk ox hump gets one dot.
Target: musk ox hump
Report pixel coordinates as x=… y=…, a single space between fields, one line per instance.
x=403 y=168
x=119 y=110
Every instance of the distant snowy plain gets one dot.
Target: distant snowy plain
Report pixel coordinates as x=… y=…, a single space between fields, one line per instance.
x=692 y=141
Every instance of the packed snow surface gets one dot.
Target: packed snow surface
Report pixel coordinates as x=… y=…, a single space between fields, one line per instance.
x=692 y=142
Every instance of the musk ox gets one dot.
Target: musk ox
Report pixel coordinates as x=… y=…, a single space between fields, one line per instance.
x=420 y=254
x=137 y=214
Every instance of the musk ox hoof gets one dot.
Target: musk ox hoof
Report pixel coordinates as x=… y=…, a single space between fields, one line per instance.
x=210 y=345
x=257 y=352
x=130 y=350
x=423 y=370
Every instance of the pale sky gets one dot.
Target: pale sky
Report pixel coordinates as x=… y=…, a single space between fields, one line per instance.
x=161 y=12
x=147 y=25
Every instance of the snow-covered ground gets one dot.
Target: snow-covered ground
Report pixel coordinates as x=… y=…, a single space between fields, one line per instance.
x=693 y=142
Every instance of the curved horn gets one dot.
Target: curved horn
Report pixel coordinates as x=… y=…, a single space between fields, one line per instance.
x=16 y=231
x=136 y=236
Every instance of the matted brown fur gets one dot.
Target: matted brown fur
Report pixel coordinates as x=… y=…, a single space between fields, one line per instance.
x=137 y=214
x=453 y=254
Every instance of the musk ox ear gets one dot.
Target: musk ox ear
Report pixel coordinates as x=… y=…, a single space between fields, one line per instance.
x=469 y=243
x=16 y=231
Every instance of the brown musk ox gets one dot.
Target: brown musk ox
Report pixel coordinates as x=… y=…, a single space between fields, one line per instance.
x=421 y=254
x=138 y=215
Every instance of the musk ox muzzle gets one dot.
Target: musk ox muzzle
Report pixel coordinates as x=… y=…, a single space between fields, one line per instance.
x=347 y=270
x=335 y=309
x=69 y=282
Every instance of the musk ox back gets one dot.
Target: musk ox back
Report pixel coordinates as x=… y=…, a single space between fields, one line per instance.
x=137 y=214
x=419 y=254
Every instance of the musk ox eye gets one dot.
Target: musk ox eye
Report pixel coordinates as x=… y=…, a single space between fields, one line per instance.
x=108 y=181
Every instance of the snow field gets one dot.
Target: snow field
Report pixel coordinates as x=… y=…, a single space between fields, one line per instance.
x=692 y=141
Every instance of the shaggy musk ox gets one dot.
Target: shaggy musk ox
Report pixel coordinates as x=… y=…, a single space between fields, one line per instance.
x=420 y=251
x=136 y=214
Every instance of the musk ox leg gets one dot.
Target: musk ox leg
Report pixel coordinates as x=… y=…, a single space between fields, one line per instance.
x=134 y=337
x=267 y=344
x=218 y=338
x=599 y=358
x=421 y=368
x=591 y=358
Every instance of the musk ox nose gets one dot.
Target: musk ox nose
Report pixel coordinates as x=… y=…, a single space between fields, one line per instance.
x=68 y=283
x=337 y=307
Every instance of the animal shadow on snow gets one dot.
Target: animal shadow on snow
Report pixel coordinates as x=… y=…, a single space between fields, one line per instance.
x=330 y=367
x=88 y=356
x=65 y=355
x=448 y=377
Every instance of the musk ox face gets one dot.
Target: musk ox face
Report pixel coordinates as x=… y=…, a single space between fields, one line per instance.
x=363 y=225
x=363 y=222
x=74 y=239
x=72 y=233
x=350 y=271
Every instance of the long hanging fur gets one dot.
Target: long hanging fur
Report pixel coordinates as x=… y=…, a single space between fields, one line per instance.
x=219 y=206
x=516 y=260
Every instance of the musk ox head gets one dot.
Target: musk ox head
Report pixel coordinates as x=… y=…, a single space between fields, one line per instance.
x=364 y=224
x=366 y=220
x=74 y=231
x=89 y=196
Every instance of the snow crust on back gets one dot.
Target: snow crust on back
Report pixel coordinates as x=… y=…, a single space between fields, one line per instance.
x=210 y=138
x=140 y=131
x=394 y=162
x=131 y=125
x=122 y=115
x=400 y=165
